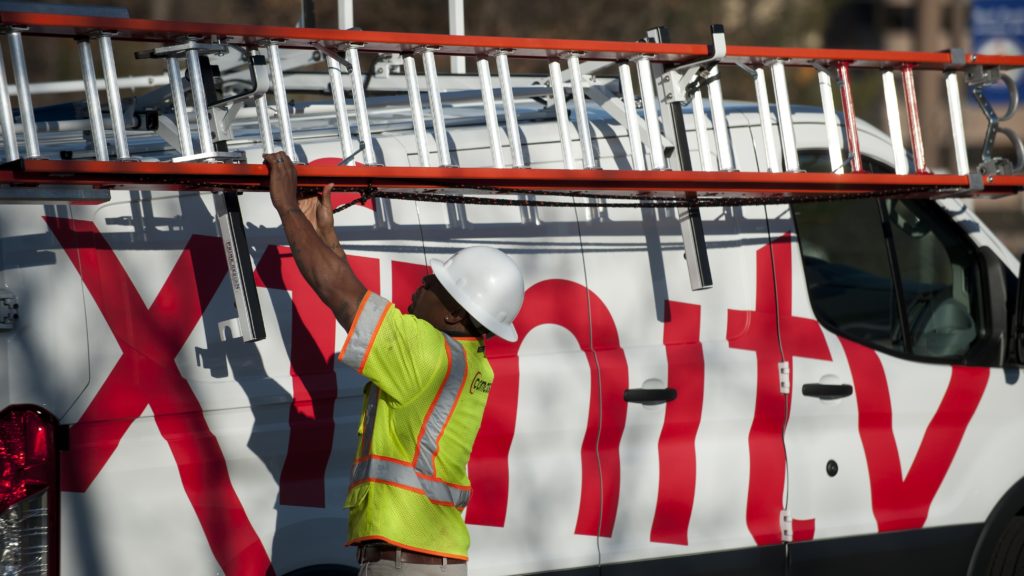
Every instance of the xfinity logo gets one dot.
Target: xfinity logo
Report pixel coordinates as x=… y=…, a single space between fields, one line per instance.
x=479 y=385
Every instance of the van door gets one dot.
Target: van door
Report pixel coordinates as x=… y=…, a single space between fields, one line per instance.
x=694 y=484
x=898 y=429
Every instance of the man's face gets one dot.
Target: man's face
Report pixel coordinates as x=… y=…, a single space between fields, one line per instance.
x=431 y=302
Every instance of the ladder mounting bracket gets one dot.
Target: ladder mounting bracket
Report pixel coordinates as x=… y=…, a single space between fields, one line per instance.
x=227 y=157
x=678 y=81
x=179 y=50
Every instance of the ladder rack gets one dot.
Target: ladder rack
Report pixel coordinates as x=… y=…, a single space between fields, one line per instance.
x=201 y=138
x=669 y=75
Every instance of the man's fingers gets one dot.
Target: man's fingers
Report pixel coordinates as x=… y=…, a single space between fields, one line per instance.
x=325 y=195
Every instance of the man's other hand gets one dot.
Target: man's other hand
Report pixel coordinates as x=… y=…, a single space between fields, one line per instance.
x=282 y=181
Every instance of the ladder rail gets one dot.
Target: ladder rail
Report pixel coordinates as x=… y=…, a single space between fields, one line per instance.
x=449 y=45
x=760 y=186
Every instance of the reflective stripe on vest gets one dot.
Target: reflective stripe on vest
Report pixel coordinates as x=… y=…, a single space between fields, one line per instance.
x=403 y=475
x=364 y=327
x=442 y=408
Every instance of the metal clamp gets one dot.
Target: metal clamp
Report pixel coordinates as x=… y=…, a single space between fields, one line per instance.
x=182 y=49
x=682 y=81
x=978 y=78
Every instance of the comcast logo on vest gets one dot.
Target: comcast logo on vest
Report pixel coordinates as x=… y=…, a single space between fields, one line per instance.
x=479 y=385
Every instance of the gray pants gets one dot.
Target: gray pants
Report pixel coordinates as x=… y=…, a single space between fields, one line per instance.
x=393 y=568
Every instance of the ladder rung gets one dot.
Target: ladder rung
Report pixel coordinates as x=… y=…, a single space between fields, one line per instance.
x=722 y=140
x=113 y=91
x=92 y=100
x=892 y=113
x=849 y=117
x=582 y=119
x=284 y=120
x=359 y=98
x=195 y=77
x=828 y=108
x=28 y=118
x=956 y=122
x=263 y=118
x=646 y=79
x=180 y=107
x=561 y=112
x=764 y=112
x=632 y=120
x=508 y=106
x=914 y=120
x=419 y=125
x=782 y=109
x=7 y=115
x=436 y=108
x=337 y=84
x=700 y=122
x=483 y=69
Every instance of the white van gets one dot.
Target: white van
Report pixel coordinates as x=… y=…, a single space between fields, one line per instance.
x=845 y=399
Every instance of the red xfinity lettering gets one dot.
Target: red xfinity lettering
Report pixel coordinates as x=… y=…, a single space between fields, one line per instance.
x=760 y=330
x=146 y=374
x=901 y=502
x=545 y=303
x=677 y=456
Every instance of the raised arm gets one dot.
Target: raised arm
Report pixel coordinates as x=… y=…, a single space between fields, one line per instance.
x=310 y=233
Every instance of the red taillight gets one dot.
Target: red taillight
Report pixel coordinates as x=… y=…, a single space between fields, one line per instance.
x=28 y=456
x=29 y=492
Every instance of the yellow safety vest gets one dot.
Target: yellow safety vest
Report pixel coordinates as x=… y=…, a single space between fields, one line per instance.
x=421 y=413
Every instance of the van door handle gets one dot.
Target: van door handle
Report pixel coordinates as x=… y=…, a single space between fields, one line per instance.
x=648 y=396
x=827 y=391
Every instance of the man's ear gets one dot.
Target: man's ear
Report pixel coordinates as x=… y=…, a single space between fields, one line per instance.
x=456 y=316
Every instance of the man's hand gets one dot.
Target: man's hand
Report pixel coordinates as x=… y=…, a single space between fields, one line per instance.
x=309 y=226
x=318 y=211
x=282 y=181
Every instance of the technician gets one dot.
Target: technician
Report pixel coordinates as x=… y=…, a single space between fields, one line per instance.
x=429 y=383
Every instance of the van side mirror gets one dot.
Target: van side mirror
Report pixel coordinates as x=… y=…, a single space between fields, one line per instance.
x=994 y=332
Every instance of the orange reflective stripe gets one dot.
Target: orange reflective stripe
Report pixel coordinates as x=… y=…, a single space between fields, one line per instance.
x=363 y=331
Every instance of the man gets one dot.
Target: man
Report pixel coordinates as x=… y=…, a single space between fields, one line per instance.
x=429 y=382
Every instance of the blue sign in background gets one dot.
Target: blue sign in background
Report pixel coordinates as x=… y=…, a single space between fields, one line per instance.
x=997 y=27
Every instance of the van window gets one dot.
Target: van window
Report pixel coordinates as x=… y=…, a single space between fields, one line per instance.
x=852 y=271
x=855 y=252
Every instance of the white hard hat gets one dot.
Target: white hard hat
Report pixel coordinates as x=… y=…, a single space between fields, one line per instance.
x=487 y=284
